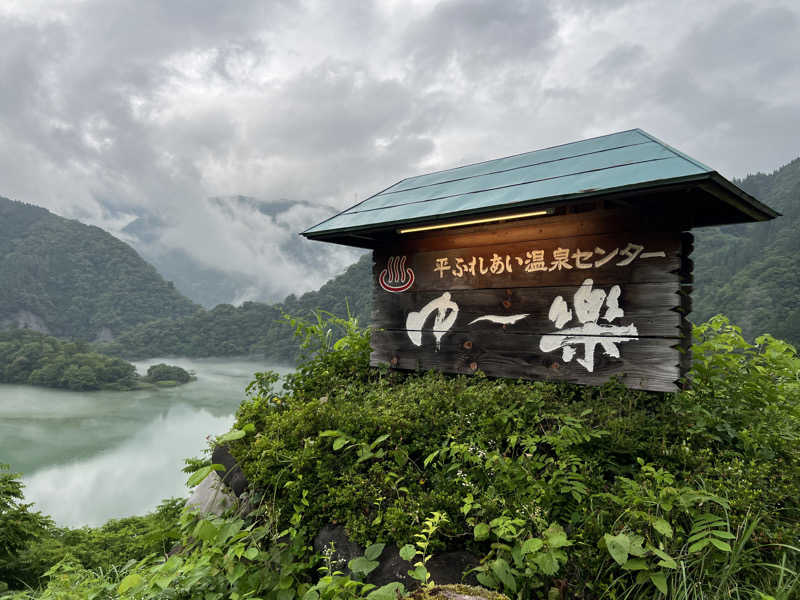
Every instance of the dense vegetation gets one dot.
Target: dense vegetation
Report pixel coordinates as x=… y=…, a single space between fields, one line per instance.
x=29 y=357
x=162 y=373
x=251 y=329
x=74 y=280
x=565 y=491
x=30 y=544
x=748 y=271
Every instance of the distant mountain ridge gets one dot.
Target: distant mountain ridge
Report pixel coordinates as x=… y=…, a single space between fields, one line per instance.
x=254 y=328
x=747 y=272
x=273 y=228
x=68 y=279
x=751 y=272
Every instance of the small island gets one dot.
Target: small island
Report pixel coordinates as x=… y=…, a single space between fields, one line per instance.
x=31 y=358
x=164 y=375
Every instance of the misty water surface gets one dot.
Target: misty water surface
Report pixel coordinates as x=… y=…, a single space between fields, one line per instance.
x=87 y=457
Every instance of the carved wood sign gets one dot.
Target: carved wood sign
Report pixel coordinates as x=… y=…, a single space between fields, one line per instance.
x=579 y=309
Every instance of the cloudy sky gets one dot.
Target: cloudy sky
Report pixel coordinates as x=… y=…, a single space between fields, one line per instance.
x=112 y=109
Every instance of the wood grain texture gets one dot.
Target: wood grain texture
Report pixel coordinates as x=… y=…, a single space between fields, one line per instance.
x=686 y=271
x=494 y=275
x=596 y=222
x=655 y=309
x=472 y=268
x=644 y=363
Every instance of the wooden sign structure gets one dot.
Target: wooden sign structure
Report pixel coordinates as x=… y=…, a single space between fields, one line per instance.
x=595 y=283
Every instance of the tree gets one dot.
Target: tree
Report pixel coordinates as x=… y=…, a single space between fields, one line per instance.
x=18 y=524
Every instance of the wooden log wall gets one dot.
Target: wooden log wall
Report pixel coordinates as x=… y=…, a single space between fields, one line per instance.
x=581 y=308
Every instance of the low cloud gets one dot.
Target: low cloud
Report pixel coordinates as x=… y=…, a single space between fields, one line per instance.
x=113 y=112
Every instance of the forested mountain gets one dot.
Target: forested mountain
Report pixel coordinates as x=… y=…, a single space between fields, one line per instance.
x=275 y=222
x=77 y=281
x=68 y=279
x=254 y=328
x=744 y=271
x=748 y=272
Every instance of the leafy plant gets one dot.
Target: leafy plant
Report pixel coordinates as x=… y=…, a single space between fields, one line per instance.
x=19 y=525
x=421 y=548
x=518 y=563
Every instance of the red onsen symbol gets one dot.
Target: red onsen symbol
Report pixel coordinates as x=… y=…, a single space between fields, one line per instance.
x=396 y=277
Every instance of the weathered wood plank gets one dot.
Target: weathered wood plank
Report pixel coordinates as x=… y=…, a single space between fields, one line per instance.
x=655 y=309
x=686 y=271
x=484 y=299
x=597 y=222
x=616 y=258
x=644 y=363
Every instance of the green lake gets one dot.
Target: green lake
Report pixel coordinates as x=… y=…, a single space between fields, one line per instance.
x=87 y=457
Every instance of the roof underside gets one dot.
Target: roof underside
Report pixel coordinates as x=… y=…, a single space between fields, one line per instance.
x=625 y=161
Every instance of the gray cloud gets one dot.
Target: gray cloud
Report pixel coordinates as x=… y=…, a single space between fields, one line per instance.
x=112 y=111
x=481 y=38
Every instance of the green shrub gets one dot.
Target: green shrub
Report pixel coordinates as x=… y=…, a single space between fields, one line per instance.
x=167 y=374
x=507 y=461
x=564 y=491
x=100 y=548
x=19 y=526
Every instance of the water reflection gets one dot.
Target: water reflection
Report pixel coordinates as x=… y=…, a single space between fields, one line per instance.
x=88 y=457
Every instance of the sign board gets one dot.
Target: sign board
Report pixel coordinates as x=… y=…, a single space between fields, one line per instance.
x=580 y=309
x=563 y=263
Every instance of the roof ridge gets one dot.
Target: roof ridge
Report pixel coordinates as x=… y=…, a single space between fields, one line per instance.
x=482 y=162
x=510 y=185
x=387 y=191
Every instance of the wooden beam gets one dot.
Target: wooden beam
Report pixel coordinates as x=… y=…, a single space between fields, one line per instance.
x=646 y=363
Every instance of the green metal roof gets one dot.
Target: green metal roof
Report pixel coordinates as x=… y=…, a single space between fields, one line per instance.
x=620 y=161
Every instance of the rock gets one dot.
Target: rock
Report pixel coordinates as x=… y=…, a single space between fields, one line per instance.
x=449 y=568
x=457 y=592
x=104 y=335
x=334 y=538
x=392 y=568
x=25 y=319
x=233 y=476
x=222 y=490
x=446 y=568
x=211 y=496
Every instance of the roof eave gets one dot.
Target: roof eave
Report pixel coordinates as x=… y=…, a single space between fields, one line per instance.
x=711 y=182
x=742 y=201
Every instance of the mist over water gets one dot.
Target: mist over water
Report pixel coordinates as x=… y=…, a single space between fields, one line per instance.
x=130 y=478
x=87 y=457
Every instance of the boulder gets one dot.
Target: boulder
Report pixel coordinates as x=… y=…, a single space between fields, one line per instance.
x=446 y=568
x=449 y=567
x=211 y=496
x=233 y=476
x=333 y=541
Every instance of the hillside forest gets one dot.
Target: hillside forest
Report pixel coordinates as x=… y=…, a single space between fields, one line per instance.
x=29 y=357
x=744 y=271
x=72 y=280
x=748 y=272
